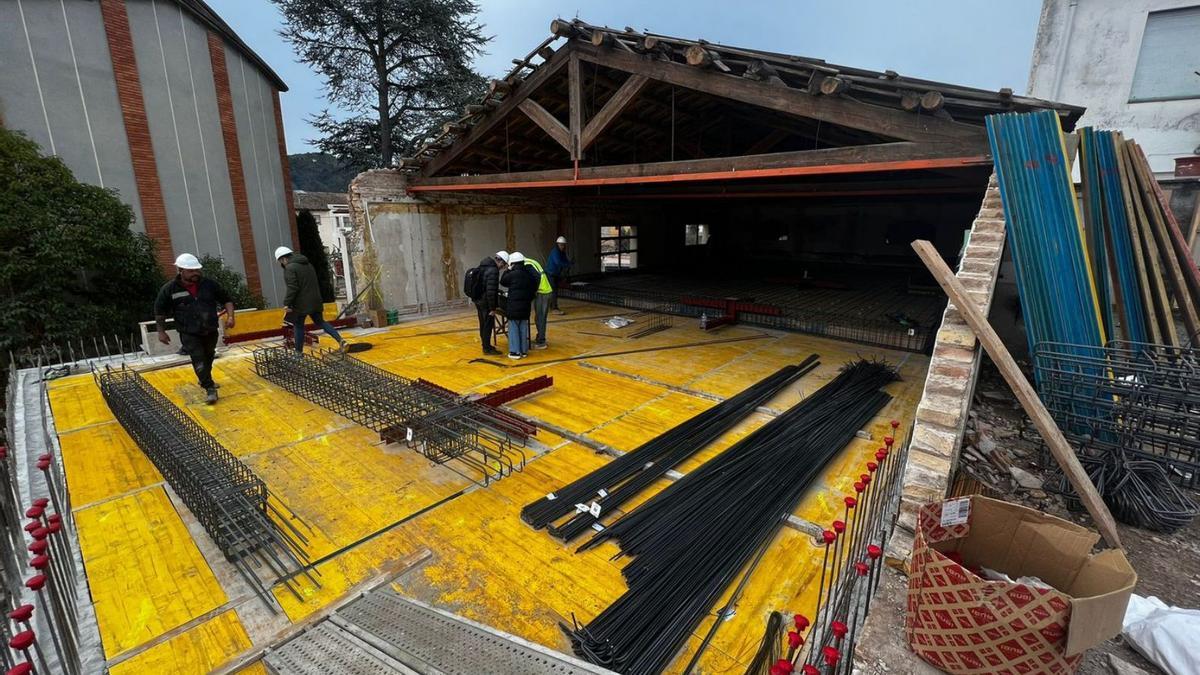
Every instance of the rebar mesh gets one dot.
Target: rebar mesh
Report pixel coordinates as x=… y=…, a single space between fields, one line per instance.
x=486 y=444
x=250 y=526
x=1140 y=399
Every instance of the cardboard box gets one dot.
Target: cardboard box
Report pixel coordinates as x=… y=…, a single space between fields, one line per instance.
x=963 y=623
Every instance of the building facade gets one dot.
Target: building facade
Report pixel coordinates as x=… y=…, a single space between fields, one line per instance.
x=160 y=101
x=1131 y=63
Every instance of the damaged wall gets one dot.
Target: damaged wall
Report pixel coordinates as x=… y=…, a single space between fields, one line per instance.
x=419 y=249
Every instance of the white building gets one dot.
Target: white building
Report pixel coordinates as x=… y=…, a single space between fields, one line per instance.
x=1132 y=63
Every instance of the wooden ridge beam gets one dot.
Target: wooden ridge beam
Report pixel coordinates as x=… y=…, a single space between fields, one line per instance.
x=836 y=110
x=616 y=104
x=547 y=122
x=900 y=156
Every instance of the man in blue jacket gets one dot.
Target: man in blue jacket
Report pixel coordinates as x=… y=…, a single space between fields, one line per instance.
x=558 y=264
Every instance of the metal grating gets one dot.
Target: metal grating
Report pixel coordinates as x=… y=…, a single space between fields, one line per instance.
x=441 y=642
x=325 y=649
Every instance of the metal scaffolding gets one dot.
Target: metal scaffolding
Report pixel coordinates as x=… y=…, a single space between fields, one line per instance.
x=485 y=443
x=254 y=530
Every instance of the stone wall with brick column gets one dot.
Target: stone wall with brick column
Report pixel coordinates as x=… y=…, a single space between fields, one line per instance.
x=950 y=383
x=137 y=130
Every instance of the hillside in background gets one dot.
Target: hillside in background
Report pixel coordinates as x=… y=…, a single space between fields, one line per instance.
x=319 y=172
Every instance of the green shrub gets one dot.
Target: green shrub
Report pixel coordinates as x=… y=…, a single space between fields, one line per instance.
x=233 y=283
x=69 y=265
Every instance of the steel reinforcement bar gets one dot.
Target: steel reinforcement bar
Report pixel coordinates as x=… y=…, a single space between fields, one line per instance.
x=253 y=529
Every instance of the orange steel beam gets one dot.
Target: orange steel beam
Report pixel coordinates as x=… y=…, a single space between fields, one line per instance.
x=744 y=174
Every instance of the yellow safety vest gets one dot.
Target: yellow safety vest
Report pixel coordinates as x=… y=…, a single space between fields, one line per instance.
x=543 y=282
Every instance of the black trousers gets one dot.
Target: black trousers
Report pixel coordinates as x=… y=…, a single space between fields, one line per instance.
x=201 y=349
x=487 y=324
x=555 y=281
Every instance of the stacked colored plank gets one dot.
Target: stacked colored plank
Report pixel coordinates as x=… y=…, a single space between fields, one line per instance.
x=1115 y=270
x=1140 y=262
x=1045 y=230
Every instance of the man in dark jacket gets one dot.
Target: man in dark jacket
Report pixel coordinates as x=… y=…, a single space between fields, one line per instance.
x=194 y=302
x=558 y=264
x=488 y=300
x=522 y=283
x=303 y=299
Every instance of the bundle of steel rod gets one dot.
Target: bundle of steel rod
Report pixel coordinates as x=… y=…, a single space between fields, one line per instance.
x=250 y=525
x=612 y=485
x=690 y=541
x=442 y=425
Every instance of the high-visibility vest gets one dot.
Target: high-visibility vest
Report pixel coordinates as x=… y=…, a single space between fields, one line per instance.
x=543 y=281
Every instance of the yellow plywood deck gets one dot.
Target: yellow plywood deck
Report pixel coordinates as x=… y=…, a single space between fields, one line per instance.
x=369 y=505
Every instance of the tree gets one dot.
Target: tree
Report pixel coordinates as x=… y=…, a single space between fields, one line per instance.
x=400 y=66
x=312 y=247
x=70 y=267
x=319 y=172
x=234 y=284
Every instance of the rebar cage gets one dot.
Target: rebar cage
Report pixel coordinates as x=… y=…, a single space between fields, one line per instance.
x=484 y=443
x=251 y=527
x=1139 y=399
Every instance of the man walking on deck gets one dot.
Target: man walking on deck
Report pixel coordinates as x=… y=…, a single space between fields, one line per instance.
x=303 y=299
x=194 y=301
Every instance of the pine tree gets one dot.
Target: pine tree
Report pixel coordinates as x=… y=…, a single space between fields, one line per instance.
x=314 y=249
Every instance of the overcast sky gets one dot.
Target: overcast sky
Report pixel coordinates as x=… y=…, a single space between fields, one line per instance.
x=982 y=43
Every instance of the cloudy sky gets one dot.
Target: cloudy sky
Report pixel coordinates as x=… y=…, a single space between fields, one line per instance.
x=981 y=43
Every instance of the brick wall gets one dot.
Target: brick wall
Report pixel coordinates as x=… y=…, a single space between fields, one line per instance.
x=137 y=130
x=950 y=384
x=233 y=160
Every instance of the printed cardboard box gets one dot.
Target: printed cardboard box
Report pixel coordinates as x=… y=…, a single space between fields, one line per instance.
x=963 y=623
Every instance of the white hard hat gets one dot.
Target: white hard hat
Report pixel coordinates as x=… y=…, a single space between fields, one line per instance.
x=503 y=255
x=516 y=257
x=282 y=251
x=187 y=261
x=560 y=240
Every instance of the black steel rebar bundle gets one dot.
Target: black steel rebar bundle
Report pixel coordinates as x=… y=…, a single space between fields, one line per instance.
x=613 y=484
x=442 y=425
x=1133 y=412
x=250 y=526
x=690 y=541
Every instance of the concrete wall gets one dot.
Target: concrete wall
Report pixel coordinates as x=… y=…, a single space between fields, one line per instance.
x=1086 y=54
x=181 y=107
x=259 y=146
x=57 y=86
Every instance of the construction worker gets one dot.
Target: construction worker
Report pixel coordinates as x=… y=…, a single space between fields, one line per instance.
x=194 y=302
x=541 y=302
x=522 y=287
x=303 y=299
x=485 y=293
x=557 y=266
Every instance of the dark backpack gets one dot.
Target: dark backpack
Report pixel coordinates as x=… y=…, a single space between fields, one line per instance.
x=473 y=283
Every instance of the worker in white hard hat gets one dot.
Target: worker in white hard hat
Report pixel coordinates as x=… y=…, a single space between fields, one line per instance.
x=303 y=298
x=558 y=264
x=194 y=302
x=482 y=286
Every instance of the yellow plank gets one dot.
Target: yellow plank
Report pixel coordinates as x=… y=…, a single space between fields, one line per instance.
x=77 y=403
x=269 y=319
x=145 y=573
x=197 y=650
x=102 y=462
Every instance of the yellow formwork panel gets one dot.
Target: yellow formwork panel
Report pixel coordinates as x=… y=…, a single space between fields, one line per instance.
x=345 y=487
x=102 y=462
x=268 y=319
x=644 y=422
x=582 y=398
x=197 y=650
x=76 y=403
x=145 y=573
x=250 y=422
x=671 y=366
